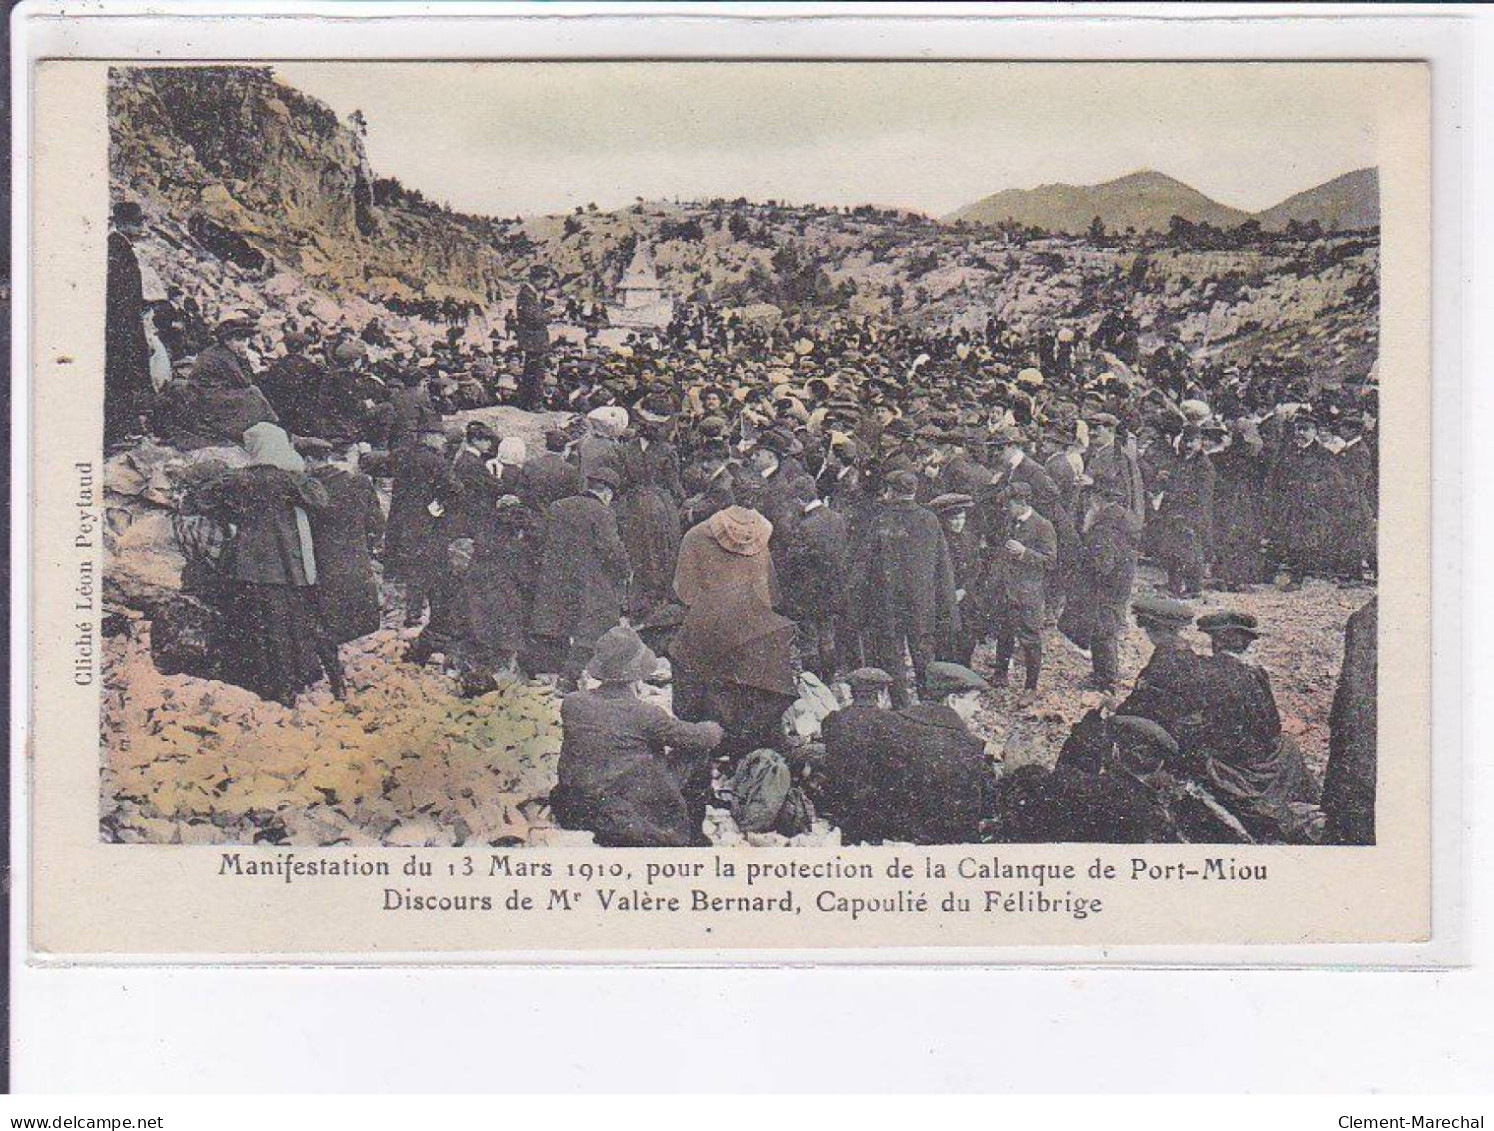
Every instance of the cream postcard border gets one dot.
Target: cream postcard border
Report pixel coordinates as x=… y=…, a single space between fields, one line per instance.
x=112 y=902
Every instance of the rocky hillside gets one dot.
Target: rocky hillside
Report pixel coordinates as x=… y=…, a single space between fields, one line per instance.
x=231 y=150
x=259 y=196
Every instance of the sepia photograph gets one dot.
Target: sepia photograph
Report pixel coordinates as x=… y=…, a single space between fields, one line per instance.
x=526 y=455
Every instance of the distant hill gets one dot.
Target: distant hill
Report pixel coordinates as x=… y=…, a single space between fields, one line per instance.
x=1148 y=200
x=1145 y=201
x=1347 y=203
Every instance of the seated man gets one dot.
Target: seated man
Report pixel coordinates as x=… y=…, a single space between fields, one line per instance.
x=622 y=760
x=916 y=775
x=1170 y=688
x=1238 y=749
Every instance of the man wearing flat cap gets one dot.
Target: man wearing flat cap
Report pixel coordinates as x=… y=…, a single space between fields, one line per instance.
x=917 y=774
x=953 y=509
x=1099 y=597
x=903 y=584
x=1240 y=752
x=1114 y=467
x=1171 y=689
x=1028 y=551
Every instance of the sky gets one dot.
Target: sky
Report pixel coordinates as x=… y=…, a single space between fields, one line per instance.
x=508 y=139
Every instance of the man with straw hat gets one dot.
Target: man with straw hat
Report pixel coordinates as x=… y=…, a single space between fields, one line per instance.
x=622 y=760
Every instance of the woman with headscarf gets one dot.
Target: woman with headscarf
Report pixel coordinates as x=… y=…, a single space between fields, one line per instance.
x=272 y=641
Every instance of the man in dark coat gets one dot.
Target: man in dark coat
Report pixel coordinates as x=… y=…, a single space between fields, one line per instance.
x=1095 y=615
x=716 y=485
x=1171 y=689
x=583 y=573
x=1238 y=749
x=814 y=581
x=904 y=584
x=417 y=534
x=1303 y=488
x=1182 y=493
x=622 y=761
x=1028 y=551
x=411 y=411
x=127 y=385
x=1349 y=782
x=1017 y=467
x=533 y=332
x=550 y=476
x=1113 y=466
x=953 y=509
x=219 y=401
x=648 y=518
x=475 y=489
x=917 y=774
x=1240 y=509
x=844 y=787
x=347 y=532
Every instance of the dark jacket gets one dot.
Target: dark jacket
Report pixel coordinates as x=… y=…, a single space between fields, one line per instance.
x=1240 y=754
x=661 y=467
x=1184 y=520
x=1110 y=546
x=1171 y=690
x=475 y=491
x=903 y=574
x=615 y=772
x=714 y=495
x=410 y=411
x=814 y=581
x=649 y=521
x=551 y=477
x=583 y=572
x=1024 y=578
x=915 y=775
x=416 y=541
x=261 y=502
x=347 y=532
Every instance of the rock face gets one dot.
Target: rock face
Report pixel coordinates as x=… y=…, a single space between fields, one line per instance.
x=254 y=167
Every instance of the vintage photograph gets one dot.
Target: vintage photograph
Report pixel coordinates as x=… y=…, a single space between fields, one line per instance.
x=538 y=454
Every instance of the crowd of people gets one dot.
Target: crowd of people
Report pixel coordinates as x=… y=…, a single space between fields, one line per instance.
x=912 y=515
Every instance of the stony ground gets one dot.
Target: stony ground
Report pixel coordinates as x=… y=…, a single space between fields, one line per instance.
x=406 y=761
